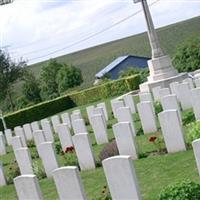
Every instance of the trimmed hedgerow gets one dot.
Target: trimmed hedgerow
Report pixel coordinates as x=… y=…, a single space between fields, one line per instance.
x=48 y=108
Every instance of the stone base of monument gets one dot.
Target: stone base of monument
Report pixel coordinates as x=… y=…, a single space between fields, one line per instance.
x=162 y=73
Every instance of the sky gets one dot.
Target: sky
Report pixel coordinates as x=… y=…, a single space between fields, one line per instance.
x=37 y=30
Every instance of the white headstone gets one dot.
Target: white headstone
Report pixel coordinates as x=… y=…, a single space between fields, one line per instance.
x=48 y=133
x=163 y=92
x=84 y=152
x=184 y=94
x=38 y=138
x=48 y=157
x=2 y=176
x=147 y=116
x=2 y=145
x=100 y=131
x=124 y=115
x=190 y=81
x=172 y=131
x=75 y=116
x=20 y=132
x=24 y=161
x=66 y=119
x=16 y=142
x=116 y=104
x=8 y=134
x=155 y=92
x=121 y=178
x=129 y=102
x=100 y=111
x=79 y=126
x=89 y=111
x=55 y=122
x=197 y=82
x=196 y=149
x=173 y=87
x=103 y=105
x=64 y=136
x=195 y=99
x=35 y=126
x=28 y=131
x=145 y=96
x=68 y=183
x=27 y=187
x=124 y=136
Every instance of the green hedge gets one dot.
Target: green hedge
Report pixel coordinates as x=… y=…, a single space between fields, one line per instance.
x=48 y=108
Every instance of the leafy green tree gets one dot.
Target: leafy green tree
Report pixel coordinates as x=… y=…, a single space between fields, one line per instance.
x=187 y=56
x=48 y=84
x=68 y=77
x=30 y=88
x=10 y=72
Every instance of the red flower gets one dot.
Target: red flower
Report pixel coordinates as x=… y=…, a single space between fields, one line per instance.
x=69 y=149
x=152 y=139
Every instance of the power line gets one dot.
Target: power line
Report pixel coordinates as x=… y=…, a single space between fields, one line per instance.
x=88 y=37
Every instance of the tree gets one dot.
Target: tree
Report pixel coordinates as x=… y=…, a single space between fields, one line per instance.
x=10 y=72
x=48 y=84
x=187 y=56
x=30 y=88
x=68 y=77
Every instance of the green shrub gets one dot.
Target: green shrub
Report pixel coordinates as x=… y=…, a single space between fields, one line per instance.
x=182 y=190
x=193 y=131
x=48 y=108
x=38 y=170
x=188 y=117
x=158 y=107
x=13 y=171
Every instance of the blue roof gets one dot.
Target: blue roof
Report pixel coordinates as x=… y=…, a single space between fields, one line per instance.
x=111 y=66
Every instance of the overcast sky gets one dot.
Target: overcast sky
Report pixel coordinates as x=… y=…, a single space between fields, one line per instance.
x=32 y=29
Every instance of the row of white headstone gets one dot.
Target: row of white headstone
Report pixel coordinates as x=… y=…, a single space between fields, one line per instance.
x=119 y=171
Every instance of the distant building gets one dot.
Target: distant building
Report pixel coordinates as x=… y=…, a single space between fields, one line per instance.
x=120 y=64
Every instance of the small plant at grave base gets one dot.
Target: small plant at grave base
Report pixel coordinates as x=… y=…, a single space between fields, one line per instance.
x=140 y=131
x=188 y=117
x=158 y=142
x=38 y=170
x=193 y=131
x=158 y=107
x=58 y=147
x=13 y=171
x=105 y=194
x=109 y=150
x=31 y=144
x=182 y=190
x=34 y=153
x=69 y=156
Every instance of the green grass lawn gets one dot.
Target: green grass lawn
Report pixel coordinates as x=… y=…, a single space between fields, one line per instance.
x=153 y=171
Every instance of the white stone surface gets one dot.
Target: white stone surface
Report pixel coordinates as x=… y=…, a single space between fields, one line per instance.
x=16 y=142
x=164 y=92
x=55 y=122
x=48 y=157
x=48 y=133
x=24 y=161
x=39 y=138
x=147 y=116
x=68 y=183
x=197 y=82
x=89 y=111
x=170 y=102
x=172 y=131
x=75 y=116
x=173 y=87
x=66 y=119
x=2 y=145
x=123 y=114
x=100 y=131
x=190 y=81
x=116 y=104
x=8 y=135
x=28 y=131
x=19 y=131
x=79 y=126
x=145 y=96
x=35 y=126
x=155 y=92
x=2 y=176
x=83 y=150
x=125 y=139
x=195 y=99
x=64 y=136
x=184 y=94
x=121 y=178
x=27 y=187
x=103 y=105
x=196 y=149
x=129 y=102
x=99 y=110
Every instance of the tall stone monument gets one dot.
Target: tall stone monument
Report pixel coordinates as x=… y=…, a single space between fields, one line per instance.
x=162 y=73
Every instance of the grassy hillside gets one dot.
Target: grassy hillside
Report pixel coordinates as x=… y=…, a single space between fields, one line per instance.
x=91 y=60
